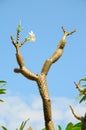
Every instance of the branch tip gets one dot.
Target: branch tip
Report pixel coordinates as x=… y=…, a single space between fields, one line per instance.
x=78 y=86
x=12 y=39
x=67 y=33
x=71 y=108
x=75 y=115
x=63 y=29
x=17 y=70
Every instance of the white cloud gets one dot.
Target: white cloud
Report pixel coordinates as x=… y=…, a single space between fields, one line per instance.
x=13 y=111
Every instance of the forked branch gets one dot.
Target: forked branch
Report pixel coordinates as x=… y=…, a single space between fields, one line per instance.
x=58 y=53
x=23 y=70
x=40 y=78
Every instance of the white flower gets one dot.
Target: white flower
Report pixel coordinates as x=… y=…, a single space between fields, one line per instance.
x=32 y=37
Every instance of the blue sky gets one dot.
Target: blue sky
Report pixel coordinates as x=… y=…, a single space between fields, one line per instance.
x=45 y=19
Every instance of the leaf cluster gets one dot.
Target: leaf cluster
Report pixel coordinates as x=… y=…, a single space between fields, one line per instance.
x=22 y=126
x=82 y=93
x=2 y=89
x=71 y=126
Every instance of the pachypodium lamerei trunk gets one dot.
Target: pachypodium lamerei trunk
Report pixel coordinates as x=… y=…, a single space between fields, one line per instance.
x=43 y=89
x=41 y=78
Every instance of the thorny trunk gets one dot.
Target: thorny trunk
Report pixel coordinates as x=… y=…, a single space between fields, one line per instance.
x=43 y=89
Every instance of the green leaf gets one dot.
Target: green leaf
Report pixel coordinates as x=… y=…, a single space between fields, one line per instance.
x=59 y=127
x=2 y=81
x=83 y=99
x=83 y=79
x=76 y=128
x=78 y=124
x=44 y=129
x=19 y=29
x=2 y=91
x=69 y=126
x=1 y=100
x=23 y=124
x=81 y=94
x=84 y=86
x=4 y=128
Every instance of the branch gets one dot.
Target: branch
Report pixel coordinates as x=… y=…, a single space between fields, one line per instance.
x=26 y=73
x=81 y=118
x=75 y=115
x=58 y=53
x=78 y=87
x=23 y=70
